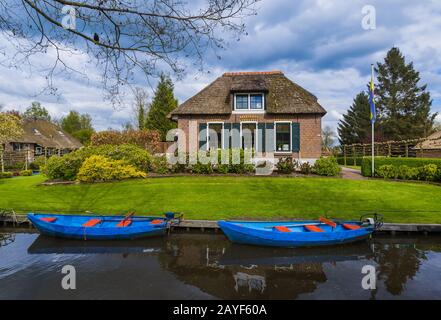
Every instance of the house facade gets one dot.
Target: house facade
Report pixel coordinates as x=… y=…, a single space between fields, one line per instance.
x=40 y=138
x=264 y=111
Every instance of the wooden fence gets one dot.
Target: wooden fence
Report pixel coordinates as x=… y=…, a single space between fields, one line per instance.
x=405 y=148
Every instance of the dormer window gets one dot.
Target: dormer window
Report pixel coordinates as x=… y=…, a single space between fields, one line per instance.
x=36 y=132
x=249 y=101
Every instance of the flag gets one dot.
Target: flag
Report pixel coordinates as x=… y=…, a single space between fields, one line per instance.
x=371 y=99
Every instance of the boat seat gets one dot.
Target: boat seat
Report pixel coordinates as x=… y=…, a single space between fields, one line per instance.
x=124 y=223
x=313 y=228
x=49 y=219
x=351 y=226
x=91 y=223
x=282 y=229
x=156 y=221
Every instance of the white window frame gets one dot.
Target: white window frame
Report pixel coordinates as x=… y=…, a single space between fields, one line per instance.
x=255 y=134
x=208 y=134
x=290 y=137
x=249 y=110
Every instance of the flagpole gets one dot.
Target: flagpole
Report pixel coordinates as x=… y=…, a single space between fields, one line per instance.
x=372 y=125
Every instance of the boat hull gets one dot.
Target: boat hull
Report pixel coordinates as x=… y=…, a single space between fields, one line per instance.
x=263 y=234
x=71 y=227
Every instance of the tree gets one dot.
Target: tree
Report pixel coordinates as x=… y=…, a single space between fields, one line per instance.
x=140 y=107
x=121 y=37
x=163 y=103
x=78 y=125
x=37 y=112
x=355 y=127
x=328 y=138
x=403 y=105
x=10 y=129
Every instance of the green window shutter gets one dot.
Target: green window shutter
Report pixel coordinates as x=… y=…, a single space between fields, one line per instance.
x=269 y=137
x=235 y=135
x=202 y=136
x=261 y=137
x=295 y=136
x=227 y=135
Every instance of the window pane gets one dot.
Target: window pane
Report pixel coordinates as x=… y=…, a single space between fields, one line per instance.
x=283 y=137
x=248 y=136
x=256 y=101
x=241 y=101
x=215 y=136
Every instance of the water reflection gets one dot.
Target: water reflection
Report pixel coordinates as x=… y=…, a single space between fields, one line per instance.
x=6 y=238
x=220 y=269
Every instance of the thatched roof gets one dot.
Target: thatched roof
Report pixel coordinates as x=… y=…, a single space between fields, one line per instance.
x=433 y=142
x=282 y=95
x=47 y=134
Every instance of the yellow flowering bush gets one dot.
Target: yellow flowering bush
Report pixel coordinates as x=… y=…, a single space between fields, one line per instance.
x=99 y=168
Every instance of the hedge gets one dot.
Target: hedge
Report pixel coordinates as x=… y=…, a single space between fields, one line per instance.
x=366 y=164
x=350 y=161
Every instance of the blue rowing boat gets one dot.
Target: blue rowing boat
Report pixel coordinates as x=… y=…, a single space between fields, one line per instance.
x=94 y=227
x=298 y=233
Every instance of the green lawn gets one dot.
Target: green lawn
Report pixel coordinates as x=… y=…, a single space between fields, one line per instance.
x=231 y=197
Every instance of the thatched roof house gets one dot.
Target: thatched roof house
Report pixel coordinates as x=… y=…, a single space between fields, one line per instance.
x=282 y=117
x=40 y=137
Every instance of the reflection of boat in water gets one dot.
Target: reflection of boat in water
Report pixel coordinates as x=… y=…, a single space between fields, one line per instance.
x=49 y=245
x=242 y=255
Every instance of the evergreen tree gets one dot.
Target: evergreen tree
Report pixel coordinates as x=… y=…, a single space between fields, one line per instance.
x=401 y=102
x=78 y=125
x=355 y=127
x=37 y=112
x=163 y=103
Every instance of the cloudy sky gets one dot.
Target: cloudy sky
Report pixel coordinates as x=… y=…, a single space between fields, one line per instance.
x=320 y=44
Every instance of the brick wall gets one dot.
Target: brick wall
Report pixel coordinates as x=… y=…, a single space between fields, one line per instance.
x=310 y=129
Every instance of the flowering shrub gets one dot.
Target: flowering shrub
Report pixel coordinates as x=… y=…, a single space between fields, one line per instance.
x=26 y=173
x=100 y=168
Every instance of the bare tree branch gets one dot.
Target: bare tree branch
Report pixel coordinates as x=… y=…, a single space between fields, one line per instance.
x=122 y=37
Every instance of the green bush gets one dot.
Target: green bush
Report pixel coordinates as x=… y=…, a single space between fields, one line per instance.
x=67 y=167
x=201 y=168
x=350 y=161
x=407 y=173
x=222 y=168
x=6 y=174
x=387 y=171
x=38 y=163
x=99 y=168
x=410 y=162
x=160 y=165
x=327 y=166
x=429 y=172
x=286 y=165
x=63 y=168
x=305 y=168
x=26 y=173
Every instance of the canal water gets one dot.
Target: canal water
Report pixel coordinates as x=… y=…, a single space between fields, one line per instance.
x=207 y=266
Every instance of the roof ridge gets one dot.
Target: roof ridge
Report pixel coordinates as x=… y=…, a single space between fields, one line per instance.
x=251 y=73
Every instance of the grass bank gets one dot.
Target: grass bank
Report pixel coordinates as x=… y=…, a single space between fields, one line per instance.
x=231 y=197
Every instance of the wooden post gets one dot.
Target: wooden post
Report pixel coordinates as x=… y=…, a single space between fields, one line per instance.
x=407 y=150
x=354 y=155
x=344 y=153
x=389 y=149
